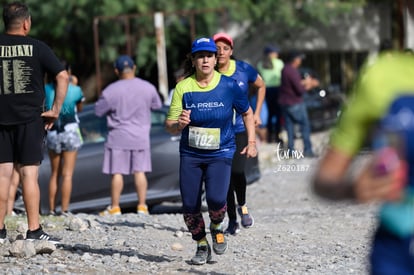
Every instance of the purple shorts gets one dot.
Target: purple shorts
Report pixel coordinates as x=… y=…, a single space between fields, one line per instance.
x=126 y=162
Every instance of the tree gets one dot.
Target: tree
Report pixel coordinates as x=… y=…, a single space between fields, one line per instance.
x=67 y=25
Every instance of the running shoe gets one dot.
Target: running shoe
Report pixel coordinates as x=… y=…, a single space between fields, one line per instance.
x=52 y=213
x=219 y=241
x=246 y=219
x=13 y=214
x=40 y=235
x=66 y=213
x=110 y=211
x=233 y=228
x=202 y=256
x=142 y=209
x=3 y=235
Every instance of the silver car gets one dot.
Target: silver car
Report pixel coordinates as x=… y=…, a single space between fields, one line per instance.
x=91 y=191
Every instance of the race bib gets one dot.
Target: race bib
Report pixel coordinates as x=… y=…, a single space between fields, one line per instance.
x=204 y=138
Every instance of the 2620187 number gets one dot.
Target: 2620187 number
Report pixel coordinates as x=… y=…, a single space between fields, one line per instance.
x=291 y=168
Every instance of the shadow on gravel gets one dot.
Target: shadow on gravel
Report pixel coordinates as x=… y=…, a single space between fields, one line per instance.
x=166 y=209
x=122 y=223
x=171 y=208
x=142 y=225
x=163 y=208
x=81 y=248
x=194 y=271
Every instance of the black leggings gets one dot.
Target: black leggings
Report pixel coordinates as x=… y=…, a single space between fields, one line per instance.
x=238 y=181
x=275 y=114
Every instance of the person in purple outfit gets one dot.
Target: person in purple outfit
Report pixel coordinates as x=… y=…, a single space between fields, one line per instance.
x=127 y=104
x=292 y=89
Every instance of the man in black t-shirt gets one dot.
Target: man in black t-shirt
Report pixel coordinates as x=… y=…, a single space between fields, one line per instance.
x=23 y=64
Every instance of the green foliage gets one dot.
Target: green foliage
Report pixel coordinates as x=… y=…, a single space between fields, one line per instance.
x=67 y=25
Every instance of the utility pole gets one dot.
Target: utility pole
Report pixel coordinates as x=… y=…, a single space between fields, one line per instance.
x=161 y=54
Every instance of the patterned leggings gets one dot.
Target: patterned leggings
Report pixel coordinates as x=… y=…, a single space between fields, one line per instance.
x=214 y=173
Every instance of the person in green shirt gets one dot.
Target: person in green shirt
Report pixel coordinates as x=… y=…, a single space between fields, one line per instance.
x=381 y=104
x=270 y=68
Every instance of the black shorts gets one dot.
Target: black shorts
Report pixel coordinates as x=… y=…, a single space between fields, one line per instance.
x=23 y=143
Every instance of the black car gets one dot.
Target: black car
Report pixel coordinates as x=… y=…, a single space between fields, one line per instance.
x=91 y=188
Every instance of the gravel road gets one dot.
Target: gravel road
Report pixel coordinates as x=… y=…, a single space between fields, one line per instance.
x=294 y=233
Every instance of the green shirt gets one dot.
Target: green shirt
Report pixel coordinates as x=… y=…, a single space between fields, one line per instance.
x=379 y=84
x=271 y=77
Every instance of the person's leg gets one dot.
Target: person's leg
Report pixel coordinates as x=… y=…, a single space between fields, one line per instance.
x=235 y=168
x=239 y=180
x=261 y=131
x=240 y=185
x=289 y=124
x=13 y=189
x=303 y=120
x=191 y=180
x=217 y=181
x=231 y=204
x=238 y=174
x=6 y=172
x=141 y=163
x=31 y=194
x=141 y=185
x=270 y=102
x=29 y=153
x=116 y=163
x=55 y=160
x=279 y=116
x=117 y=184
x=71 y=141
x=69 y=161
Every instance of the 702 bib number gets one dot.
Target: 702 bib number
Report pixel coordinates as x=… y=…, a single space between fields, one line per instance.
x=204 y=138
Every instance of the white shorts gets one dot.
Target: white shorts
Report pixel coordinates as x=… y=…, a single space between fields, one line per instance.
x=68 y=140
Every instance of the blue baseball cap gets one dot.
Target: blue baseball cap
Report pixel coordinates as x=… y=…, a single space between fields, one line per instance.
x=204 y=44
x=123 y=62
x=271 y=49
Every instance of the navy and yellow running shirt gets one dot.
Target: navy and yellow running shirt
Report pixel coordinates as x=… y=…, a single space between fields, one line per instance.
x=210 y=132
x=244 y=74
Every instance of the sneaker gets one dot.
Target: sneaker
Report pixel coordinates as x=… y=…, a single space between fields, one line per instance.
x=110 y=211
x=246 y=219
x=142 y=209
x=219 y=241
x=202 y=256
x=66 y=213
x=52 y=213
x=40 y=235
x=3 y=235
x=233 y=228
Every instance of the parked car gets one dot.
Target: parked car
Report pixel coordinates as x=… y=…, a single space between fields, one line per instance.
x=324 y=104
x=91 y=188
